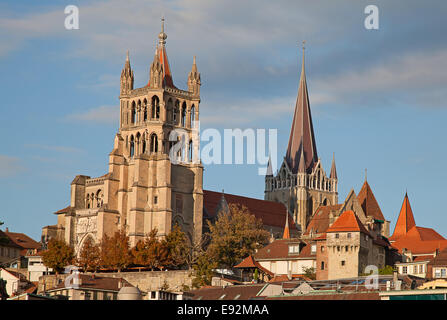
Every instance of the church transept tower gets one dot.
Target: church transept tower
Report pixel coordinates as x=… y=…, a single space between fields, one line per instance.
x=301 y=183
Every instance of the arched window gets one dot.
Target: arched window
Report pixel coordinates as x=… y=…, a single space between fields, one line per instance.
x=133 y=113
x=154 y=143
x=193 y=116
x=137 y=144
x=155 y=107
x=183 y=114
x=145 y=110
x=87 y=202
x=138 y=112
x=132 y=146
x=175 y=111
x=169 y=111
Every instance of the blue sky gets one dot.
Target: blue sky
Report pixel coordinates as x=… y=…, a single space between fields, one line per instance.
x=378 y=97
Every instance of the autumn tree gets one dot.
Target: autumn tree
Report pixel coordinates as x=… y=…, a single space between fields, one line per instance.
x=90 y=256
x=178 y=246
x=158 y=252
x=115 y=252
x=203 y=271
x=58 y=255
x=235 y=235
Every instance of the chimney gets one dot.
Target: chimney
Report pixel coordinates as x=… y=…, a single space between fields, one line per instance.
x=7 y=230
x=120 y=283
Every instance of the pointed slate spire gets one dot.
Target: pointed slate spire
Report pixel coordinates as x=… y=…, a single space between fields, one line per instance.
x=333 y=174
x=302 y=133
x=222 y=206
x=405 y=221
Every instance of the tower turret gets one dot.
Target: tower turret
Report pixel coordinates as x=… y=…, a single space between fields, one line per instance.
x=194 y=79
x=126 y=83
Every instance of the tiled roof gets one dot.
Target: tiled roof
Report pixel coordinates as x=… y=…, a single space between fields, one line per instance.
x=418 y=246
x=405 y=221
x=238 y=292
x=23 y=240
x=346 y=222
x=7 y=241
x=278 y=249
x=334 y=296
x=271 y=213
x=369 y=203
x=440 y=260
x=320 y=220
x=248 y=262
x=64 y=210
x=96 y=282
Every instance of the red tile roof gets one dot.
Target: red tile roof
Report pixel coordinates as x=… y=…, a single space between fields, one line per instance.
x=440 y=260
x=279 y=249
x=419 y=247
x=23 y=240
x=249 y=262
x=369 y=203
x=405 y=221
x=272 y=214
x=346 y=222
x=320 y=220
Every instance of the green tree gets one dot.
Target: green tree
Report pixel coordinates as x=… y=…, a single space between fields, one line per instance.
x=203 y=271
x=310 y=272
x=235 y=236
x=115 y=252
x=386 y=270
x=177 y=243
x=90 y=256
x=58 y=255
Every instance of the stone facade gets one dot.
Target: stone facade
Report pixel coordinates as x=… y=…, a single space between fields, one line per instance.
x=153 y=180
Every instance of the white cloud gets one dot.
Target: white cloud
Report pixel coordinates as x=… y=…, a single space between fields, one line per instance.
x=10 y=166
x=416 y=78
x=102 y=115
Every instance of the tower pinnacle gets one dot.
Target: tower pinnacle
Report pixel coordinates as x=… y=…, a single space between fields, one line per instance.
x=302 y=138
x=162 y=36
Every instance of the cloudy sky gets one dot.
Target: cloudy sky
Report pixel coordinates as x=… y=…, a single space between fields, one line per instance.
x=378 y=97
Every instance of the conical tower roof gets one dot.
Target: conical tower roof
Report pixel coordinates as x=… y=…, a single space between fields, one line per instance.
x=163 y=58
x=405 y=221
x=302 y=136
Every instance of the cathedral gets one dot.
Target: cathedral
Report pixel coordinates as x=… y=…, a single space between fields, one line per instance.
x=301 y=183
x=151 y=184
x=143 y=189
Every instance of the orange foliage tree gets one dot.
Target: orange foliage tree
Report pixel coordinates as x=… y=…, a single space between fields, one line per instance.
x=90 y=256
x=115 y=252
x=58 y=255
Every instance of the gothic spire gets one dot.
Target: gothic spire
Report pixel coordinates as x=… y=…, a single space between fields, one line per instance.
x=127 y=77
x=194 y=78
x=302 y=136
x=333 y=174
x=269 y=168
